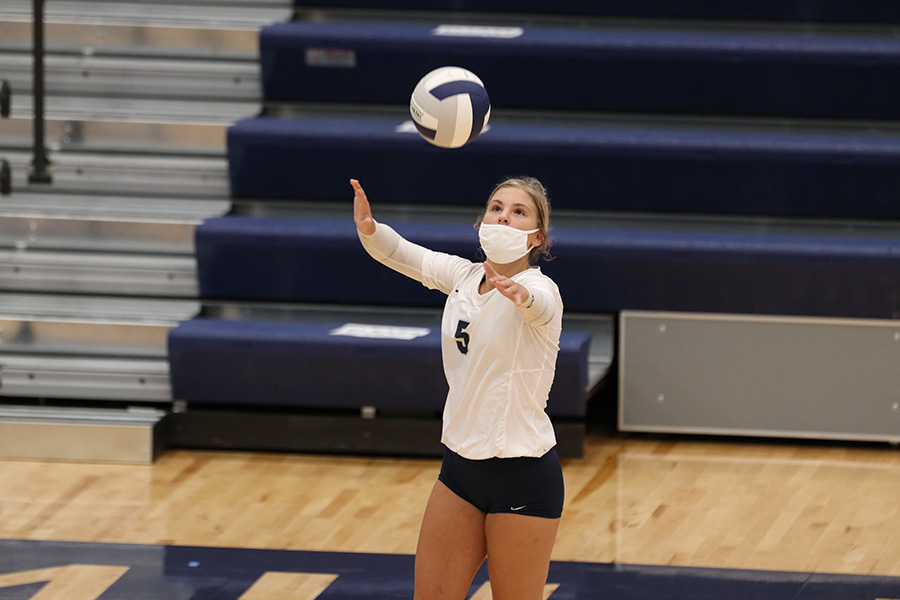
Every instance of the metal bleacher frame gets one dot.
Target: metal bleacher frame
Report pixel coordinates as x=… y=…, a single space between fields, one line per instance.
x=130 y=101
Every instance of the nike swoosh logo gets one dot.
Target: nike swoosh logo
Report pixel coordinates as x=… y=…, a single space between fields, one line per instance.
x=519 y=508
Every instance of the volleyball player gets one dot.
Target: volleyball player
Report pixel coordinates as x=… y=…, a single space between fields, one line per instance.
x=500 y=490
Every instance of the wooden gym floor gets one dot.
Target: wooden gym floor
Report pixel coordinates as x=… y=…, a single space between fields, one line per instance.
x=689 y=502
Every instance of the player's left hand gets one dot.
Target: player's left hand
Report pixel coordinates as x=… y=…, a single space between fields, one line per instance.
x=519 y=294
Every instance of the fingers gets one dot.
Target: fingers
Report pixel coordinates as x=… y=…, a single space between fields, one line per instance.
x=359 y=195
x=506 y=286
x=362 y=211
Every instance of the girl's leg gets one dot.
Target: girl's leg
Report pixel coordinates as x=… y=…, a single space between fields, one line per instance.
x=519 y=549
x=451 y=546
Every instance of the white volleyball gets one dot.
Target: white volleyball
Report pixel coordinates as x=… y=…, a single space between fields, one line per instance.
x=450 y=107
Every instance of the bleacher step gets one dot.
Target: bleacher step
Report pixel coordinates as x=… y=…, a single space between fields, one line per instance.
x=97 y=234
x=145 y=178
x=219 y=14
x=92 y=435
x=217 y=28
x=98 y=273
x=129 y=76
x=139 y=110
x=15 y=33
x=704 y=166
x=803 y=11
x=685 y=68
x=139 y=126
x=140 y=310
x=107 y=378
x=89 y=326
x=160 y=209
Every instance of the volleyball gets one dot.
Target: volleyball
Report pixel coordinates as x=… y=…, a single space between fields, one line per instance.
x=450 y=107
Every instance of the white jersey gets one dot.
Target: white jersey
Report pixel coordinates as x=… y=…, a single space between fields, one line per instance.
x=499 y=359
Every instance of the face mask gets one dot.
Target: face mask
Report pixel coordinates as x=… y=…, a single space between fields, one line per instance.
x=504 y=244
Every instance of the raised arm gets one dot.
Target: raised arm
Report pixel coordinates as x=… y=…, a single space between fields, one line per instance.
x=383 y=243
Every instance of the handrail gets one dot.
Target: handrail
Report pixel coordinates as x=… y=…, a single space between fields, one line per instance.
x=5 y=98
x=41 y=165
x=5 y=178
x=40 y=171
x=5 y=175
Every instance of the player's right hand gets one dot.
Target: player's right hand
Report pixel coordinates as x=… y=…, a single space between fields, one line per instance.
x=362 y=212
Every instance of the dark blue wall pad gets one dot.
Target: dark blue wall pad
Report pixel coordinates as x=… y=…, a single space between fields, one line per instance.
x=861 y=11
x=598 y=270
x=648 y=166
x=303 y=365
x=614 y=69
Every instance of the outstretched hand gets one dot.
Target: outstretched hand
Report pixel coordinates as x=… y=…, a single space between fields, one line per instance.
x=362 y=212
x=519 y=294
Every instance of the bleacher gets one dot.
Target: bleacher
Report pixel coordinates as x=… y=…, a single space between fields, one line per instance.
x=723 y=180
x=99 y=265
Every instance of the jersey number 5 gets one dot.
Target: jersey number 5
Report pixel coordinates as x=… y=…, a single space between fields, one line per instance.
x=462 y=338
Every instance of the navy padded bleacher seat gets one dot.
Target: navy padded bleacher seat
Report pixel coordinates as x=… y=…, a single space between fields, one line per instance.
x=305 y=365
x=645 y=166
x=598 y=270
x=311 y=260
x=860 y=11
x=617 y=69
x=797 y=274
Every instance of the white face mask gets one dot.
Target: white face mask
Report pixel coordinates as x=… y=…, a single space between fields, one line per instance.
x=504 y=244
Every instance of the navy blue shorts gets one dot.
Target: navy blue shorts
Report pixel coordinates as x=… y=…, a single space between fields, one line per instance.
x=519 y=486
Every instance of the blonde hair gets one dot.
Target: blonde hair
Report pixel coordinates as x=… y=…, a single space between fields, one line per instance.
x=538 y=193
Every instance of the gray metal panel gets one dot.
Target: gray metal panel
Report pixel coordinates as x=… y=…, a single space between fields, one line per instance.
x=97 y=308
x=129 y=124
x=758 y=375
x=161 y=182
x=80 y=338
x=103 y=108
x=95 y=273
x=113 y=379
x=117 y=208
x=80 y=132
x=148 y=77
x=218 y=14
x=218 y=27
x=97 y=234
x=87 y=38
x=120 y=436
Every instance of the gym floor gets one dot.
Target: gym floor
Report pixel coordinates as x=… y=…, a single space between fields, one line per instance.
x=645 y=517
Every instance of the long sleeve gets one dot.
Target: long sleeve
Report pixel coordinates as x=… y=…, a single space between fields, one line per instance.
x=544 y=303
x=390 y=249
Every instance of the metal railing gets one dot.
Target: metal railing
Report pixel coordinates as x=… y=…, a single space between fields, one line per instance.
x=5 y=106
x=40 y=165
x=40 y=171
